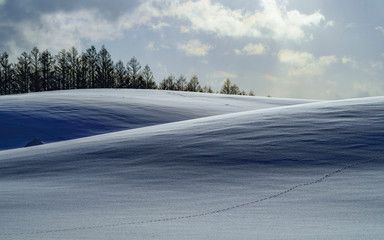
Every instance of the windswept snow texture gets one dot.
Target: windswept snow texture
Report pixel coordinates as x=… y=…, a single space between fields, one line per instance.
x=235 y=168
x=65 y=115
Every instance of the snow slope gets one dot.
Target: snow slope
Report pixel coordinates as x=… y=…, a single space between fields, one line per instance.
x=64 y=115
x=283 y=171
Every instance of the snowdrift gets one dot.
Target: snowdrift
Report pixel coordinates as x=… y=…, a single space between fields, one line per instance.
x=332 y=133
x=64 y=115
x=245 y=168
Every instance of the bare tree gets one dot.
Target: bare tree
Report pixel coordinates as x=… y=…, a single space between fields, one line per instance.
x=120 y=74
x=193 y=84
x=23 y=71
x=235 y=90
x=72 y=58
x=226 y=88
x=6 y=74
x=35 y=74
x=167 y=83
x=133 y=70
x=47 y=62
x=82 y=71
x=148 y=78
x=105 y=69
x=181 y=83
x=92 y=59
x=61 y=69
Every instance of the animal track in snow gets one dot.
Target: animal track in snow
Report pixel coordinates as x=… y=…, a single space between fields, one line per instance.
x=212 y=212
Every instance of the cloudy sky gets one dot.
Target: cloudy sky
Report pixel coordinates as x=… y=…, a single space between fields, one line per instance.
x=319 y=49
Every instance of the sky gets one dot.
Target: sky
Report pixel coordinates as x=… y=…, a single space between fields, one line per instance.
x=318 y=49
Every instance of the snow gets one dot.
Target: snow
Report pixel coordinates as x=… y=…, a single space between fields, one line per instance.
x=191 y=166
x=34 y=142
x=63 y=115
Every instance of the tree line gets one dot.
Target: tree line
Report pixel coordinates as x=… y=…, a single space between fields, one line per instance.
x=42 y=71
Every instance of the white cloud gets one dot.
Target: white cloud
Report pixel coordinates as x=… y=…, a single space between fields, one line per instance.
x=151 y=46
x=142 y=15
x=365 y=89
x=350 y=61
x=273 y=22
x=65 y=29
x=223 y=75
x=380 y=29
x=160 y=26
x=330 y=24
x=271 y=78
x=295 y=58
x=346 y=60
x=252 y=49
x=195 y=48
x=304 y=63
x=60 y=30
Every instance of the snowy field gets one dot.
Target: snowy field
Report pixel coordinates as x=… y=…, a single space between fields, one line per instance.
x=137 y=164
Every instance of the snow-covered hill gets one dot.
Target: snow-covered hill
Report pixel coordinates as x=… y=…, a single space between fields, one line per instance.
x=64 y=115
x=214 y=167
